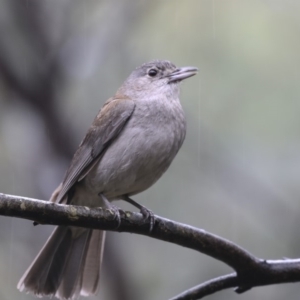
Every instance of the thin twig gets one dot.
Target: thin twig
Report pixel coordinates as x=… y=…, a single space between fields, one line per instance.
x=209 y=287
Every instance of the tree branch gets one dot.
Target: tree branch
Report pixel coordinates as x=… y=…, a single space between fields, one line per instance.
x=265 y=273
x=209 y=287
x=250 y=271
x=45 y=212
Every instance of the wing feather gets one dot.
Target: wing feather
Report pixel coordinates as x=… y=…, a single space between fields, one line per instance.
x=107 y=125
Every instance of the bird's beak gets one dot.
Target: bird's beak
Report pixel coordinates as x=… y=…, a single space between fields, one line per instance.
x=182 y=73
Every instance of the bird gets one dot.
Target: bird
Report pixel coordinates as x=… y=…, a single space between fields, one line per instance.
x=130 y=144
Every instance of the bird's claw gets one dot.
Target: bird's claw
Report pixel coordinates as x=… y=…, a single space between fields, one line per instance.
x=148 y=217
x=116 y=212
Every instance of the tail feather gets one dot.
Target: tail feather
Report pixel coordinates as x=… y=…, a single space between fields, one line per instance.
x=70 y=286
x=55 y=263
x=68 y=265
x=36 y=279
x=91 y=271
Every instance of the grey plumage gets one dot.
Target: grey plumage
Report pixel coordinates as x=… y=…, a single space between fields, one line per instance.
x=131 y=143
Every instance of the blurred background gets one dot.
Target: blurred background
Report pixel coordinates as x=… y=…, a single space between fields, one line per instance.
x=237 y=174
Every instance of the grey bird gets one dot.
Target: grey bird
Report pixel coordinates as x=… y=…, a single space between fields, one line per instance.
x=130 y=144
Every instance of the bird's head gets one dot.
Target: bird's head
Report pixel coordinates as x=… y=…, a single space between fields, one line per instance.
x=156 y=77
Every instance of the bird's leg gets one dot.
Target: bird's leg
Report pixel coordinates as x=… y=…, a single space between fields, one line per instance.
x=113 y=208
x=147 y=213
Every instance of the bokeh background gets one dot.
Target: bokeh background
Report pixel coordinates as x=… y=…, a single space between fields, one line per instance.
x=238 y=172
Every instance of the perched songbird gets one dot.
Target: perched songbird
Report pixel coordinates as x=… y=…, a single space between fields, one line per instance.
x=131 y=143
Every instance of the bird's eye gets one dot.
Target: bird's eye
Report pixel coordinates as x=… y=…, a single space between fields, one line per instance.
x=152 y=72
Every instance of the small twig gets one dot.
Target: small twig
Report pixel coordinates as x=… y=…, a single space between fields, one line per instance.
x=209 y=287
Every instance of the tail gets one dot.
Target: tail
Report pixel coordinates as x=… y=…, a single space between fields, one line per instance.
x=67 y=266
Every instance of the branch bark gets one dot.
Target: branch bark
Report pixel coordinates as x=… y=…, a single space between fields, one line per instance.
x=250 y=271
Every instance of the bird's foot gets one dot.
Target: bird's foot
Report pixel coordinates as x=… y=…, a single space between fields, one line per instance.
x=116 y=212
x=113 y=209
x=148 y=216
x=147 y=213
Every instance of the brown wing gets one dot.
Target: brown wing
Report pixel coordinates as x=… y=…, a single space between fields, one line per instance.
x=107 y=125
